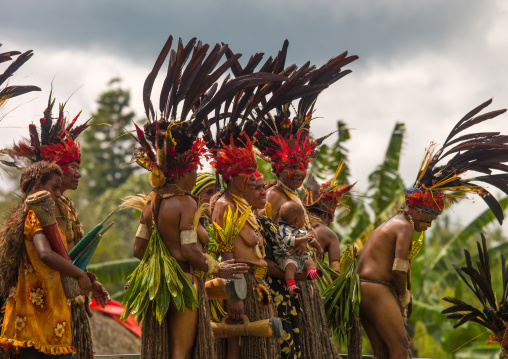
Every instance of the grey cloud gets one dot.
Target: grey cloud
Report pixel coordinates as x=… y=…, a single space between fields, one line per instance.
x=317 y=30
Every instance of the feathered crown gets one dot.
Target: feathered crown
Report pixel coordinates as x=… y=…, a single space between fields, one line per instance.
x=170 y=144
x=12 y=91
x=236 y=123
x=481 y=152
x=285 y=142
x=55 y=141
x=326 y=197
x=231 y=160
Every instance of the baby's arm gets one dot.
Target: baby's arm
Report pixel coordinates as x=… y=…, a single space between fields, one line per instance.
x=306 y=238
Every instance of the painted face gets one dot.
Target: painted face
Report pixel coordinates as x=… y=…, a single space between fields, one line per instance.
x=53 y=186
x=244 y=180
x=293 y=175
x=422 y=220
x=207 y=193
x=71 y=176
x=256 y=197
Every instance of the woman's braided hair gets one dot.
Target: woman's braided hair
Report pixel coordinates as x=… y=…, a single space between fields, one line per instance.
x=12 y=246
x=39 y=172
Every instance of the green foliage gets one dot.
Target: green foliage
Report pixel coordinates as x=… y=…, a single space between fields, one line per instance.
x=266 y=169
x=114 y=271
x=326 y=162
x=341 y=296
x=384 y=196
x=117 y=242
x=385 y=181
x=158 y=280
x=104 y=153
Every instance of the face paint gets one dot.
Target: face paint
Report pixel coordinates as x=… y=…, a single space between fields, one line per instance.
x=248 y=173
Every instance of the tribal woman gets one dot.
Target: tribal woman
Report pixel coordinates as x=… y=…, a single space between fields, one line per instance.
x=38 y=315
x=55 y=141
x=286 y=144
x=170 y=235
x=287 y=306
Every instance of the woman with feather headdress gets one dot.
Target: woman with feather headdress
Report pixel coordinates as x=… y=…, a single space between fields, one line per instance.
x=385 y=261
x=170 y=240
x=56 y=141
x=37 y=319
x=286 y=144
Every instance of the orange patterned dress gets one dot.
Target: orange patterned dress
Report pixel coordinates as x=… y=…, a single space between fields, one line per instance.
x=37 y=314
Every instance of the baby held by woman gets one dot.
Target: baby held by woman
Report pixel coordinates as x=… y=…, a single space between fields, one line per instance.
x=290 y=235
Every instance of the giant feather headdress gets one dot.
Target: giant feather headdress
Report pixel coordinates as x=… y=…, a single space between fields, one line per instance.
x=481 y=152
x=283 y=140
x=169 y=142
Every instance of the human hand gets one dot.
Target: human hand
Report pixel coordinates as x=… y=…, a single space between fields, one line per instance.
x=320 y=253
x=310 y=236
x=100 y=293
x=229 y=268
x=235 y=310
x=299 y=250
x=84 y=283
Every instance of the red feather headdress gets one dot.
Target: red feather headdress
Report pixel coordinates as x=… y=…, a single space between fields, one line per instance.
x=286 y=142
x=232 y=160
x=54 y=141
x=328 y=196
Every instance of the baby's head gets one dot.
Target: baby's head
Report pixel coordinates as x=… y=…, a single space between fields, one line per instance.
x=292 y=213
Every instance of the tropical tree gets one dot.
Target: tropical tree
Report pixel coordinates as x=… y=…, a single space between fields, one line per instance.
x=104 y=149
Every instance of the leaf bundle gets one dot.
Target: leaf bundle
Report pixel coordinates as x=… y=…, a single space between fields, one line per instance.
x=341 y=298
x=160 y=279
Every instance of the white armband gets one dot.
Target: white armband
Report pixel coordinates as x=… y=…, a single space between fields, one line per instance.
x=401 y=265
x=189 y=236
x=142 y=232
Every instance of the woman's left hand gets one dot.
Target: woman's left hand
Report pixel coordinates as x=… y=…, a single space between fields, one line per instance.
x=100 y=293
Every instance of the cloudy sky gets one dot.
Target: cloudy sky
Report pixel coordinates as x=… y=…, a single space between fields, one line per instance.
x=424 y=63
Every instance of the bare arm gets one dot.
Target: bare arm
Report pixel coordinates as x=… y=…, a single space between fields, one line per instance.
x=58 y=263
x=191 y=252
x=404 y=238
x=140 y=244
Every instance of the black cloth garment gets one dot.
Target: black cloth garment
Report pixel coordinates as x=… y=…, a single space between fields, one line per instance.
x=286 y=305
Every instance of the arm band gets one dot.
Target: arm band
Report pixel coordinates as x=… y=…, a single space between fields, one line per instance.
x=213 y=265
x=401 y=265
x=142 y=232
x=189 y=236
